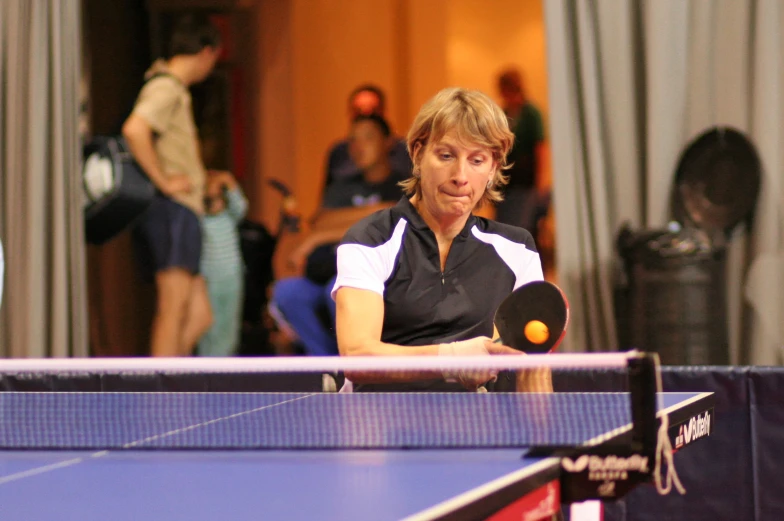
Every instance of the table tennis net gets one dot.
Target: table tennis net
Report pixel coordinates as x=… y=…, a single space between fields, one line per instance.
x=569 y=401
x=591 y=403
x=209 y=421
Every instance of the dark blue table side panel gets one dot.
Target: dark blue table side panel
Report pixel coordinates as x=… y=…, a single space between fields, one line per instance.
x=766 y=389
x=716 y=471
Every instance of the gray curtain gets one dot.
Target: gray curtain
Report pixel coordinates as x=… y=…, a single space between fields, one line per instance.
x=631 y=83
x=41 y=227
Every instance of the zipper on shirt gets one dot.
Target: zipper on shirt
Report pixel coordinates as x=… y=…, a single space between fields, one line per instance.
x=442 y=278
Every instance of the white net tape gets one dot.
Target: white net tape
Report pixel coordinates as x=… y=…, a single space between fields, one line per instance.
x=312 y=364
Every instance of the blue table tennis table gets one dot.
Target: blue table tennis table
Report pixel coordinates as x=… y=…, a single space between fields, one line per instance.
x=277 y=456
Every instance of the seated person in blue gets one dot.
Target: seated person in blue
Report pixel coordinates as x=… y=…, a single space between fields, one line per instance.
x=425 y=277
x=301 y=302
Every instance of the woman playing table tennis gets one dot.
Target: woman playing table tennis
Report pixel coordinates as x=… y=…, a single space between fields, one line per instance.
x=426 y=276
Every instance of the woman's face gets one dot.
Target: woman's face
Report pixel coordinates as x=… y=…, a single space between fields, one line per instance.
x=454 y=175
x=367 y=144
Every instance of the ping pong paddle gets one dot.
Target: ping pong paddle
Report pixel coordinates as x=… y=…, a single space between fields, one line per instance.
x=536 y=309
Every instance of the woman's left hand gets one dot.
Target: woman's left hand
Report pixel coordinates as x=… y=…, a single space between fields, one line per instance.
x=469 y=378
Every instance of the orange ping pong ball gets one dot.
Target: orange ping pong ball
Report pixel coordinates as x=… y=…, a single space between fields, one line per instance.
x=536 y=332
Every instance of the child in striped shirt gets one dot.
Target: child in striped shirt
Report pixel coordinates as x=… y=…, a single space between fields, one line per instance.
x=221 y=263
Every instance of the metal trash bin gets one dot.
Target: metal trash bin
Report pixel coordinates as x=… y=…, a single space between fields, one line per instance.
x=673 y=296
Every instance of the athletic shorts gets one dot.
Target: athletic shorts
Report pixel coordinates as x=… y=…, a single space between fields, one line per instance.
x=167 y=236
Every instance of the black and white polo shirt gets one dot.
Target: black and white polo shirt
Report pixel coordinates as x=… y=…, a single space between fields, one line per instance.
x=394 y=253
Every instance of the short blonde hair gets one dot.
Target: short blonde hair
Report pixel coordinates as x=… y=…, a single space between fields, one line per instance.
x=476 y=119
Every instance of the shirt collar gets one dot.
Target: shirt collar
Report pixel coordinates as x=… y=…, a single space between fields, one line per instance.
x=415 y=220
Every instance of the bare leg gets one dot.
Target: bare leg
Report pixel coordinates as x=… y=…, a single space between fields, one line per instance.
x=198 y=317
x=173 y=290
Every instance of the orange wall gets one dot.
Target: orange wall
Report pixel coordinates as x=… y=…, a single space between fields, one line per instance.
x=482 y=41
x=336 y=46
x=273 y=113
x=312 y=53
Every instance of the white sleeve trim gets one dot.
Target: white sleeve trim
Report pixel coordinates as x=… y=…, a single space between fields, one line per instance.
x=524 y=263
x=366 y=267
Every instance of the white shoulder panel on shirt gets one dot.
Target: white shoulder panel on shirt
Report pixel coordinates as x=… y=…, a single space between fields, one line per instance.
x=368 y=267
x=524 y=263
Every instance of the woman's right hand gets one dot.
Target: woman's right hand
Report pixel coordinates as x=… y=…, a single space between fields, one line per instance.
x=469 y=378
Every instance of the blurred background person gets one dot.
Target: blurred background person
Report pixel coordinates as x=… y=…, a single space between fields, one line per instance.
x=221 y=263
x=523 y=203
x=303 y=304
x=162 y=136
x=365 y=100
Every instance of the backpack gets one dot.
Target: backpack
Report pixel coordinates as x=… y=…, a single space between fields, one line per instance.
x=117 y=191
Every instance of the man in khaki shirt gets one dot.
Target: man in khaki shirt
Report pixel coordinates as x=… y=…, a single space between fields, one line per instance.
x=162 y=137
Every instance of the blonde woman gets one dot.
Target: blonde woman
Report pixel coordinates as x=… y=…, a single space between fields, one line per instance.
x=425 y=276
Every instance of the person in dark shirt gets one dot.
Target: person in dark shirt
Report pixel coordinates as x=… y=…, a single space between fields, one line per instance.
x=426 y=276
x=300 y=302
x=523 y=204
x=365 y=100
